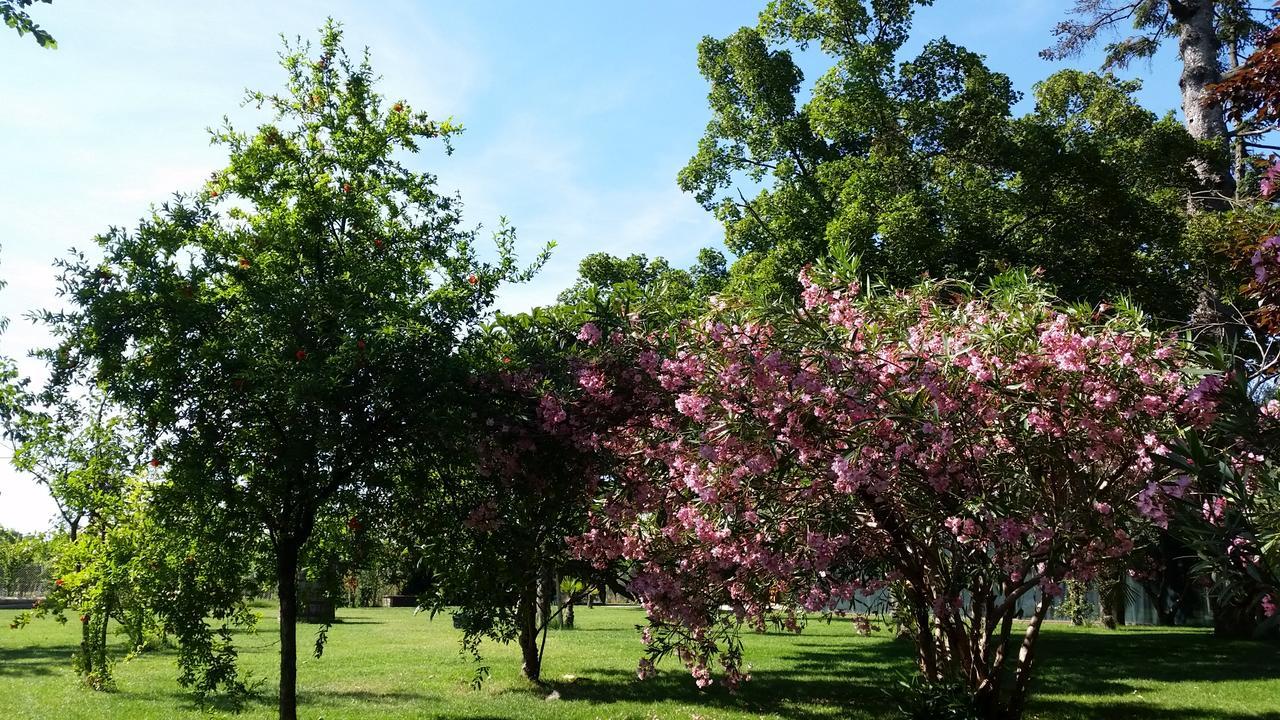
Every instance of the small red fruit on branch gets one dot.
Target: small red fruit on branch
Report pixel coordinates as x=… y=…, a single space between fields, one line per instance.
x=84 y=619
x=58 y=582
x=301 y=355
x=155 y=462
x=398 y=107
x=360 y=344
x=473 y=279
x=346 y=187
x=244 y=263
x=353 y=524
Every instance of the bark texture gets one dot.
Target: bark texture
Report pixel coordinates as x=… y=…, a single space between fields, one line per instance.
x=1199 y=50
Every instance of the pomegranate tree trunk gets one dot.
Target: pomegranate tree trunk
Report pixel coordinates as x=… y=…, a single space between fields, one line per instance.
x=287 y=578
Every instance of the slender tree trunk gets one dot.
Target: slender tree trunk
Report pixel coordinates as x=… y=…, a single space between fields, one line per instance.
x=547 y=592
x=568 y=612
x=86 y=634
x=527 y=619
x=101 y=646
x=1026 y=660
x=926 y=647
x=1239 y=155
x=287 y=578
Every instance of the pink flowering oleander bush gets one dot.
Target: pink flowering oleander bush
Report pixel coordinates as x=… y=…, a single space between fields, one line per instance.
x=1229 y=512
x=944 y=449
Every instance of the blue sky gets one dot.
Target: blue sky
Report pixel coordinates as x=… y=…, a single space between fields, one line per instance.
x=578 y=116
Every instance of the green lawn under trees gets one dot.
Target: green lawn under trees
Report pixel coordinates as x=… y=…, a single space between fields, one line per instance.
x=386 y=663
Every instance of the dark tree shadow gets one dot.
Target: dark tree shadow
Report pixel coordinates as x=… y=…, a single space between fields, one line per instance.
x=1097 y=663
x=35 y=661
x=841 y=678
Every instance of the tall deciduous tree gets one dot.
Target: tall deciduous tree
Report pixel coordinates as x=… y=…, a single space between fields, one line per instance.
x=284 y=336
x=920 y=166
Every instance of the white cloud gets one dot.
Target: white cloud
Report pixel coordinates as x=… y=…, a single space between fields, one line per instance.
x=531 y=172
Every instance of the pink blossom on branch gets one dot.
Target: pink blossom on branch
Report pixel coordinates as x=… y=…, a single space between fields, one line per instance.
x=947 y=442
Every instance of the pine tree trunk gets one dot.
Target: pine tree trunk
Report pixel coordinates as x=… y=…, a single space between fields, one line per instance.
x=1198 y=49
x=287 y=579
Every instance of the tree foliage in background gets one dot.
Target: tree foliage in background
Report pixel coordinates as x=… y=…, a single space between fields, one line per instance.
x=88 y=458
x=26 y=563
x=920 y=167
x=494 y=539
x=14 y=14
x=602 y=275
x=284 y=336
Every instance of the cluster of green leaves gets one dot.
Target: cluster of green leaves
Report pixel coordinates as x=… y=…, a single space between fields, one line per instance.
x=499 y=529
x=87 y=458
x=15 y=15
x=921 y=168
x=601 y=275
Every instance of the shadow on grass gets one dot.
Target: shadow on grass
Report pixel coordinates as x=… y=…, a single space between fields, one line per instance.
x=1068 y=710
x=1117 y=665
x=264 y=698
x=819 y=680
x=1100 y=664
x=34 y=661
x=840 y=678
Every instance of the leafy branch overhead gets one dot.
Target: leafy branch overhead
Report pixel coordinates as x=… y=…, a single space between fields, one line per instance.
x=14 y=14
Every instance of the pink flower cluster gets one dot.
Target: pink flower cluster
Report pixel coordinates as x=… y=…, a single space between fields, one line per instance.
x=990 y=444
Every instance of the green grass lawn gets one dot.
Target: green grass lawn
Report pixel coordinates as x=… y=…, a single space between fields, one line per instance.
x=386 y=663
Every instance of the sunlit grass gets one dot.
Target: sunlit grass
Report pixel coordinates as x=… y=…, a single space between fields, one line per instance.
x=388 y=663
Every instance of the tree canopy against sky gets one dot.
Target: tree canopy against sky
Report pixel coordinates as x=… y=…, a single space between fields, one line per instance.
x=283 y=336
x=920 y=166
x=580 y=151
